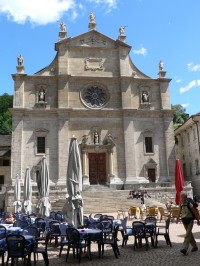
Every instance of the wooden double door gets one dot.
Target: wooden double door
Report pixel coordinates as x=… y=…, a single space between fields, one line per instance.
x=97 y=168
x=152 y=174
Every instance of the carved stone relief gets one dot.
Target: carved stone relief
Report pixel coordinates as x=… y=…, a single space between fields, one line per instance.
x=92 y=41
x=94 y=64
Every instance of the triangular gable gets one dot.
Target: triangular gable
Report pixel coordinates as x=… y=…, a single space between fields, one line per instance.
x=92 y=38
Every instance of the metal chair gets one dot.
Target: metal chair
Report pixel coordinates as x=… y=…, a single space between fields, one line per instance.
x=140 y=232
x=42 y=250
x=52 y=215
x=75 y=242
x=17 y=248
x=162 y=213
x=2 y=232
x=132 y=211
x=40 y=224
x=54 y=227
x=112 y=241
x=125 y=231
x=20 y=223
x=164 y=231
x=174 y=212
x=2 y=235
x=59 y=216
x=98 y=215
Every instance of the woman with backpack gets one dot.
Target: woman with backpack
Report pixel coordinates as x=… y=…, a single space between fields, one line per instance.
x=188 y=214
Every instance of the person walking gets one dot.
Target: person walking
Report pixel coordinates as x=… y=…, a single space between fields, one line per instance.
x=187 y=212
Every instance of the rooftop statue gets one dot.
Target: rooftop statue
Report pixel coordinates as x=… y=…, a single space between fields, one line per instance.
x=92 y=17
x=20 y=60
x=161 y=65
x=122 y=30
x=62 y=26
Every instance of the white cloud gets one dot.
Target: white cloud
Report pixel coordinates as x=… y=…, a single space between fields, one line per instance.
x=192 y=84
x=110 y=4
x=42 y=12
x=185 y=105
x=178 y=80
x=142 y=51
x=192 y=67
x=37 y=11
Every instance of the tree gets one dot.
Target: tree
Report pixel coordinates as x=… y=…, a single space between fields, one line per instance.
x=6 y=101
x=180 y=115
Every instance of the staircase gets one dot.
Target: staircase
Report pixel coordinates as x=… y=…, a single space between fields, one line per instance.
x=101 y=199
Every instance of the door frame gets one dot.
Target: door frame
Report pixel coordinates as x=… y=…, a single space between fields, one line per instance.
x=105 y=165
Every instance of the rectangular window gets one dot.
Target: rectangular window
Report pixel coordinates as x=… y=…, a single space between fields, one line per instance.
x=1 y=179
x=6 y=163
x=40 y=144
x=148 y=145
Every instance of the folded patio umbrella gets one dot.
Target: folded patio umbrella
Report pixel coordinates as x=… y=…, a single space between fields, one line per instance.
x=27 y=192
x=17 y=191
x=43 y=205
x=73 y=208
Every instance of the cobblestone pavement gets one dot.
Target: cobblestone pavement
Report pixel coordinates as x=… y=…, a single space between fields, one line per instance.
x=162 y=255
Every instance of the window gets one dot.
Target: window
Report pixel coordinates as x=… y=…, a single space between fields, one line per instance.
x=197 y=166
x=148 y=145
x=1 y=179
x=40 y=144
x=148 y=141
x=6 y=163
x=40 y=141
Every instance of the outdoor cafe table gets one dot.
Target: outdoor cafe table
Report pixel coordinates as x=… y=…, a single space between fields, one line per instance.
x=10 y=229
x=30 y=240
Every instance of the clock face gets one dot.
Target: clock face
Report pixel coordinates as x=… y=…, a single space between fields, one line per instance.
x=94 y=96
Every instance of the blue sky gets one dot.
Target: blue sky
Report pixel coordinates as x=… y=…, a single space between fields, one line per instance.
x=166 y=30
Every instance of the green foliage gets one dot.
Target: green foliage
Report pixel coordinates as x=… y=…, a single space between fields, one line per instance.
x=180 y=115
x=6 y=101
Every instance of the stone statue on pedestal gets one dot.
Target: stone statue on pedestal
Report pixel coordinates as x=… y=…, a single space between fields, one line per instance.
x=20 y=60
x=161 y=65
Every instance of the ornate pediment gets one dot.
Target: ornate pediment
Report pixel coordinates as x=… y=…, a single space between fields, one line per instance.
x=94 y=39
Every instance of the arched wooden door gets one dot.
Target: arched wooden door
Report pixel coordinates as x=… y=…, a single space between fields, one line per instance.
x=97 y=168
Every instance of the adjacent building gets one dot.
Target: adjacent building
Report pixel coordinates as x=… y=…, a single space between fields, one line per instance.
x=187 y=139
x=5 y=159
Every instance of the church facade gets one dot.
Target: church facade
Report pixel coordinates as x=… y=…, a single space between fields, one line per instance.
x=92 y=90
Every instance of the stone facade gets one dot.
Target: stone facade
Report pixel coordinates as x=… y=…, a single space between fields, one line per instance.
x=188 y=150
x=5 y=159
x=93 y=90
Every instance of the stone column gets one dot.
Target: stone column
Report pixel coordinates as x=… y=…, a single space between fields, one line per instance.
x=17 y=147
x=63 y=147
x=169 y=145
x=129 y=150
x=111 y=175
x=86 y=181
